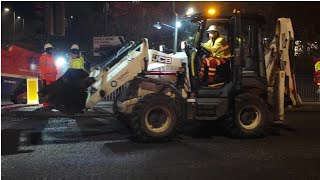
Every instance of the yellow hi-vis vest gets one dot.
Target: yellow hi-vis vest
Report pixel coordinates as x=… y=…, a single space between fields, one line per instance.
x=77 y=63
x=317 y=66
x=219 y=48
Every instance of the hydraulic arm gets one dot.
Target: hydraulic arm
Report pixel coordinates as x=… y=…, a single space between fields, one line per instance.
x=280 y=78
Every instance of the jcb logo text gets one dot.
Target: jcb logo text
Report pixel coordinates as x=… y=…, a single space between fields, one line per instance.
x=161 y=59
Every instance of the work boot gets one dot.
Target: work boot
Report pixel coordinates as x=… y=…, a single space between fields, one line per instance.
x=45 y=105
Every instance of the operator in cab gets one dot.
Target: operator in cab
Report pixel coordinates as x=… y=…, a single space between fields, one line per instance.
x=76 y=59
x=219 y=54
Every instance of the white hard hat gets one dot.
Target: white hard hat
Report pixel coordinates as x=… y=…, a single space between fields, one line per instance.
x=48 y=45
x=212 y=28
x=75 y=46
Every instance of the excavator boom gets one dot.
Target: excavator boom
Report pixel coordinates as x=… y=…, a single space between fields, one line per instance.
x=280 y=77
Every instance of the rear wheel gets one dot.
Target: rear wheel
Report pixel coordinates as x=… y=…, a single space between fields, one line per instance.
x=249 y=119
x=154 y=118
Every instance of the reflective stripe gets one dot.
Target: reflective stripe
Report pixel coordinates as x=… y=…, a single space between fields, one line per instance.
x=212 y=69
x=47 y=64
x=228 y=56
x=218 y=62
x=51 y=65
x=211 y=73
x=223 y=48
x=47 y=74
x=208 y=62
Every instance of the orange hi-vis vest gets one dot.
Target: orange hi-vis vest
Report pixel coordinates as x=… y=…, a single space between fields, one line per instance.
x=48 y=70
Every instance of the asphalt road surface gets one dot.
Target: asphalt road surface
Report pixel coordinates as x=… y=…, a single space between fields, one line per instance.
x=98 y=147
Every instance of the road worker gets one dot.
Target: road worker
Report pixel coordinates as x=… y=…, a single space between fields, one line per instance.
x=219 y=54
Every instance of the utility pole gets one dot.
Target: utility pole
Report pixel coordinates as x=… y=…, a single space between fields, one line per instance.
x=14 y=26
x=106 y=18
x=175 y=17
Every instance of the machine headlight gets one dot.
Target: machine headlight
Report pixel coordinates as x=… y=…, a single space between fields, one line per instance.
x=60 y=61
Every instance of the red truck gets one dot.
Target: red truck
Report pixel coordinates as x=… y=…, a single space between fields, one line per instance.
x=17 y=65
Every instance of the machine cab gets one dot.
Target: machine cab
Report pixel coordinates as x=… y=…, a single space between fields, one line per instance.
x=243 y=34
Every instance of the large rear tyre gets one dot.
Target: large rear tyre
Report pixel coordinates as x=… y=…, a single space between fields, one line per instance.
x=154 y=118
x=249 y=119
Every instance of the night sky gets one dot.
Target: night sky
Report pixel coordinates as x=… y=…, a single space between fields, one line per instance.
x=306 y=10
x=304 y=15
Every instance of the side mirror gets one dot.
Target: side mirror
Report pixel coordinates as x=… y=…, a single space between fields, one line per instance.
x=162 y=48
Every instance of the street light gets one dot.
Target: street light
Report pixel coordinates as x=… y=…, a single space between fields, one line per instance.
x=14 y=22
x=18 y=17
x=178 y=24
x=190 y=11
x=157 y=25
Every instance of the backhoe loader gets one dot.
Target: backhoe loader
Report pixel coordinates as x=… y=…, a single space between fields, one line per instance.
x=161 y=90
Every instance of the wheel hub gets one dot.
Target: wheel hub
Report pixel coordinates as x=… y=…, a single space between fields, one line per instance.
x=158 y=119
x=249 y=117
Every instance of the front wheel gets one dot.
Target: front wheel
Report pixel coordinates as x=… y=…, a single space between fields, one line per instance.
x=249 y=118
x=119 y=115
x=154 y=118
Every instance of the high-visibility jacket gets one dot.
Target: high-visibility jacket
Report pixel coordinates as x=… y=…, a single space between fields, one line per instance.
x=317 y=66
x=218 y=48
x=48 y=70
x=77 y=63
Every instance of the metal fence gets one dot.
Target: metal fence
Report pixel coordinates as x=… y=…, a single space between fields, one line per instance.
x=307 y=89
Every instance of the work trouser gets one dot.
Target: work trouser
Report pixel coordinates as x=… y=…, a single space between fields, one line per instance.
x=46 y=80
x=211 y=64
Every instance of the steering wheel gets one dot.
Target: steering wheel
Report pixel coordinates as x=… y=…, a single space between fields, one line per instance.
x=204 y=51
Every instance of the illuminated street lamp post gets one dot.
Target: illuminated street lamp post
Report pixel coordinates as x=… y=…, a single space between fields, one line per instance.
x=14 y=25
x=14 y=22
x=18 y=17
x=190 y=11
x=175 y=28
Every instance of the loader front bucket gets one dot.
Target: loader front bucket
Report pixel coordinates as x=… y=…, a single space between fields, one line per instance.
x=68 y=94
